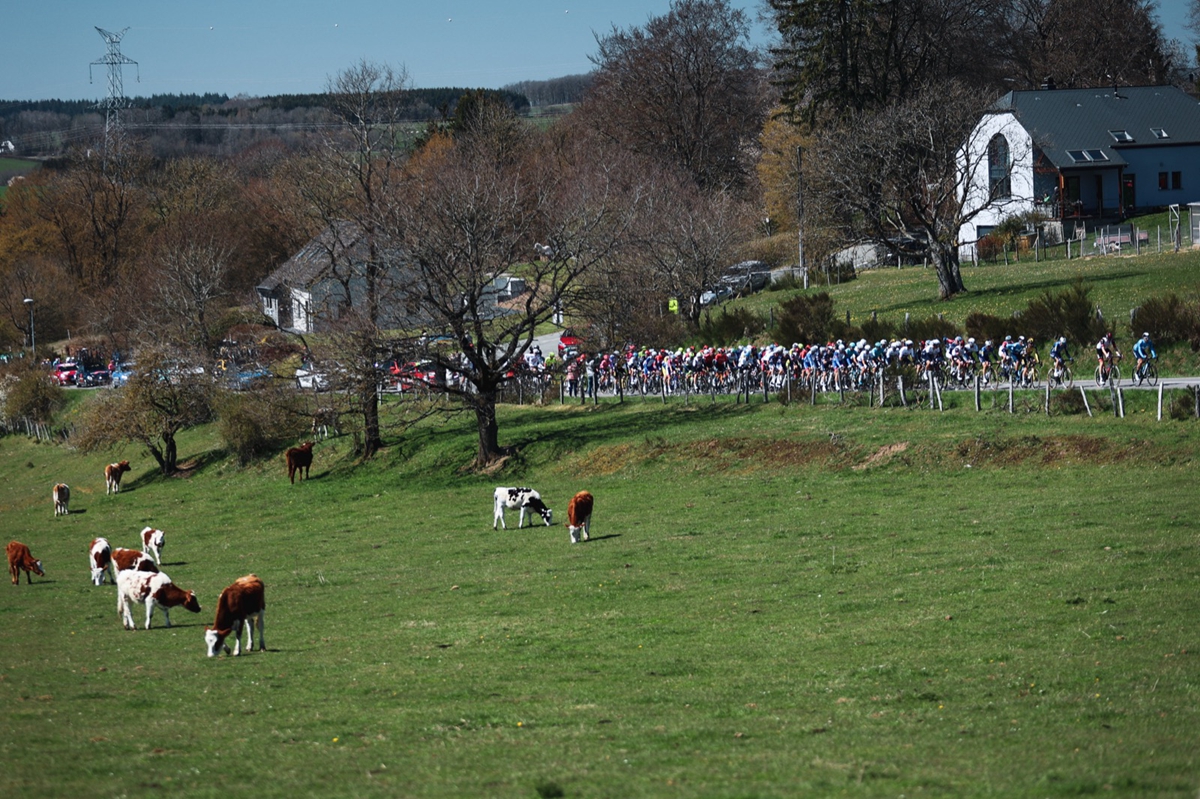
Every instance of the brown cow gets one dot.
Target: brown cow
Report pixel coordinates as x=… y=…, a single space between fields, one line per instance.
x=62 y=499
x=240 y=605
x=112 y=476
x=299 y=459
x=20 y=558
x=151 y=590
x=132 y=559
x=579 y=516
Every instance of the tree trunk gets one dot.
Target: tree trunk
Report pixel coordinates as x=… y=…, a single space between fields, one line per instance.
x=489 y=435
x=158 y=457
x=945 y=261
x=372 y=439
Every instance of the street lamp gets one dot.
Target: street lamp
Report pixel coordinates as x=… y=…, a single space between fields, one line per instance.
x=32 y=338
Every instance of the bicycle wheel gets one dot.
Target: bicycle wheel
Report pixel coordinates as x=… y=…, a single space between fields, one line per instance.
x=1066 y=379
x=1151 y=374
x=1100 y=377
x=1115 y=376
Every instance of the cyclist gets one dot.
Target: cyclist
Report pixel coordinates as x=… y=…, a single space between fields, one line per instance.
x=1143 y=350
x=1106 y=351
x=986 y=368
x=1060 y=353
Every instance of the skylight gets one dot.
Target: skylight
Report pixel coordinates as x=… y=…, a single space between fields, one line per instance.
x=1084 y=156
x=1121 y=136
x=1159 y=133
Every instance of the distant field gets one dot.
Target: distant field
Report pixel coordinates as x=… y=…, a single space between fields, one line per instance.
x=777 y=602
x=1118 y=283
x=10 y=167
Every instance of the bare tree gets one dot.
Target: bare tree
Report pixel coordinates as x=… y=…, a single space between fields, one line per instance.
x=190 y=280
x=684 y=89
x=898 y=177
x=473 y=207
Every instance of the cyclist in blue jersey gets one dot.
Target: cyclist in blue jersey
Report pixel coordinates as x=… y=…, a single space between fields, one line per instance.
x=1143 y=350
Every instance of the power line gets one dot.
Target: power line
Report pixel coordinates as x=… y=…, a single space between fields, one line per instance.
x=116 y=99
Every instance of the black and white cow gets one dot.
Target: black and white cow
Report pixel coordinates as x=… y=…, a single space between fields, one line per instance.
x=519 y=498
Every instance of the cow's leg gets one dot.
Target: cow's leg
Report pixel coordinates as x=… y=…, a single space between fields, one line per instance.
x=521 y=518
x=166 y=615
x=262 y=641
x=499 y=516
x=150 y=611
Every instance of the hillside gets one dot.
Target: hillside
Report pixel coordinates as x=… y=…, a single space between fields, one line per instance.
x=776 y=600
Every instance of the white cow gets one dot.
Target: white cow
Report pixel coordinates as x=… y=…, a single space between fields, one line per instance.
x=522 y=499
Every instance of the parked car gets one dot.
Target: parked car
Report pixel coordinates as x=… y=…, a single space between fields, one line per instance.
x=98 y=376
x=312 y=380
x=66 y=373
x=246 y=377
x=746 y=277
x=412 y=374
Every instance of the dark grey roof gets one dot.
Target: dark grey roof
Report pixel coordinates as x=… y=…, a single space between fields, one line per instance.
x=342 y=243
x=1061 y=120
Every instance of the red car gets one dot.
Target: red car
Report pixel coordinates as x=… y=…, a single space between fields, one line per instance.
x=66 y=373
x=568 y=341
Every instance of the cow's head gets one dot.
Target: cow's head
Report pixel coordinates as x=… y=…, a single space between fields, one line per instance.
x=214 y=640
x=191 y=603
x=37 y=568
x=536 y=504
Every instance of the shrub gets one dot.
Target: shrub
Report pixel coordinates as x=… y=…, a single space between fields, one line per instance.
x=253 y=424
x=33 y=395
x=1071 y=312
x=989 y=247
x=805 y=318
x=1168 y=319
x=930 y=327
x=1068 y=402
x=982 y=326
x=729 y=327
x=1182 y=407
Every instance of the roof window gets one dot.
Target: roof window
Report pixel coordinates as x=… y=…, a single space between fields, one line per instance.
x=1159 y=133
x=1085 y=156
x=1121 y=136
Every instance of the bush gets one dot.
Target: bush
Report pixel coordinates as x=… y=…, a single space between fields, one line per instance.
x=930 y=327
x=1071 y=312
x=989 y=247
x=1168 y=319
x=33 y=395
x=805 y=318
x=982 y=326
x=730 y=327
x=1068 y=402
x=253 y=424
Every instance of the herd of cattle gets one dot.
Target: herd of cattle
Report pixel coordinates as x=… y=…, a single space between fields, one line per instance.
x=139 y=580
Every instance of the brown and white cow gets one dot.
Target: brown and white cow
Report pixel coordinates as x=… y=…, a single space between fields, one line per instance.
x=62 y=499
x=299 y=459
x=240 y=605
x=152 y=543
x=19 y=558
x=112 y=476
x=132 y=560
x=152 y=590
x=579 y=516
x=100 y=561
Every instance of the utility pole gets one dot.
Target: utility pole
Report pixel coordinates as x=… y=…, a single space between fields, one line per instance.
x=116 y=100
x=800 y=212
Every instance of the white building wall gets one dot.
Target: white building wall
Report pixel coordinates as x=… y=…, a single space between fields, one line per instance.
x=974 y=162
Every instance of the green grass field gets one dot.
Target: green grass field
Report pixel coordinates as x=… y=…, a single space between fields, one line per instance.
x=778 y=601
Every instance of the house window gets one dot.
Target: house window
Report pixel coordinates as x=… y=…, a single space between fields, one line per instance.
x=1159 y=133
x=1176 y=180
x=1163 y=185
x=1121 y=136
x=999 y=168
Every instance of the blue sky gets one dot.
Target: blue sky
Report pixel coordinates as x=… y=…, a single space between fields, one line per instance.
x=261 y=47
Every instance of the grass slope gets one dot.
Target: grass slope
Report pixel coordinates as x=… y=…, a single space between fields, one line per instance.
x=777 y=601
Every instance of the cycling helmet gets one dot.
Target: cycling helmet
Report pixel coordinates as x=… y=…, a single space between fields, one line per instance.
x=1008 y=338
x=970 y=341
x=1062 y=339
x=1145 y=335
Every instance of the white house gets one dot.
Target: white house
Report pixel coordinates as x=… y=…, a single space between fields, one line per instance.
x=1082 y=157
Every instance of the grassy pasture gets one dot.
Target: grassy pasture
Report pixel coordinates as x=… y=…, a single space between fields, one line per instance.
x=1118 y=283
x=777 y=601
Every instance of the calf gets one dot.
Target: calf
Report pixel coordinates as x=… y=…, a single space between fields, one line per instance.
x=62 y=498
x=100 y=561
x=152 y=543
x=299 y=459
x=151 y=590
x=112 y=476
x=132 y=560
x=522 y=498
x=19 y=558
x=579 y=516
x=240 y=605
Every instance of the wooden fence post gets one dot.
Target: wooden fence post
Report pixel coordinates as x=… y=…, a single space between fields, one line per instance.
x=1086 y=406
x=900 y=388
x=978 y=403
x=1160 y=392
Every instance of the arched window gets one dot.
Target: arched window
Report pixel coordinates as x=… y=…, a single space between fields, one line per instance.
x=999 y=168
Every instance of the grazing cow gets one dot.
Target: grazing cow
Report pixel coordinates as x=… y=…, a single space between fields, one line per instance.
x=100 y=561
x=151 y=590
x=522 y=498
x=20 y=558
x=62 y=499
x=324 y=420
x=241 y=605
x=132 y=560
x=579 y=516
x=112 y=476
x=152 y=543
x=298 y=460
